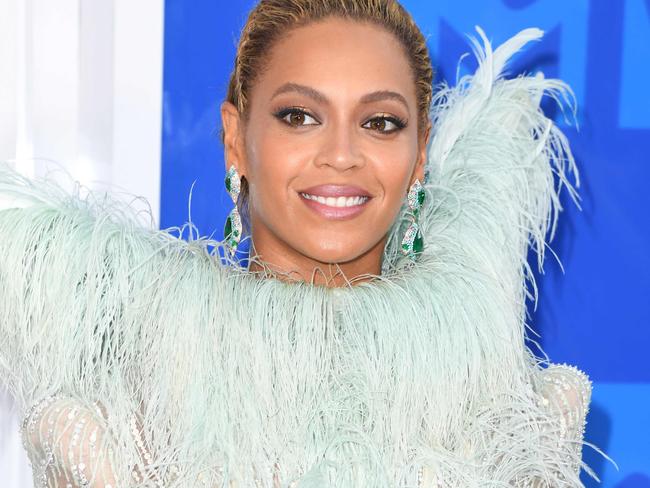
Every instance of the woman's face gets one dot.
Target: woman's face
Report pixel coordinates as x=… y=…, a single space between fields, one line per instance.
x=331 y=145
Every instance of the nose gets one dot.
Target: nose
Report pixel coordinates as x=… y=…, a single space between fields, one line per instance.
x=340 y=149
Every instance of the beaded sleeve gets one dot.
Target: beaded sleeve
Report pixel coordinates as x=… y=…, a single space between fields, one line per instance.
x=69 y=444
x=566 y=392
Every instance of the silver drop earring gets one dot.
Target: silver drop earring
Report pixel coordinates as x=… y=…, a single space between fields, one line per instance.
x=413 y=243
x=233 y=228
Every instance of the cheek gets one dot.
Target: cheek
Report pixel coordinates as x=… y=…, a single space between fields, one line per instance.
x=272 y=166
x=394 y=176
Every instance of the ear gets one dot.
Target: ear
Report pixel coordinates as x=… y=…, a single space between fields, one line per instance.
x=418 y=171
x=233 y=138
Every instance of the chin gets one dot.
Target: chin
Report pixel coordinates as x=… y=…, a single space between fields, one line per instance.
x=334 y=252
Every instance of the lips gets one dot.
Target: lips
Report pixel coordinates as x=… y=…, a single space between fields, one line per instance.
x=336 y=202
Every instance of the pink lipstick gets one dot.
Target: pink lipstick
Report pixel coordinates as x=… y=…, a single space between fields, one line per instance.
x=336 y=202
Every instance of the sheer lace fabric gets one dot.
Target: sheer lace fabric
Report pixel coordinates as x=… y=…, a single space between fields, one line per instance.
x=566 y=392
x=69 y=446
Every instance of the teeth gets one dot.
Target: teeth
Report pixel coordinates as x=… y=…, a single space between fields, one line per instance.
x=336 y=202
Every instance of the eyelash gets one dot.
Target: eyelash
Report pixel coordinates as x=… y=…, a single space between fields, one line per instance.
x=282 y=113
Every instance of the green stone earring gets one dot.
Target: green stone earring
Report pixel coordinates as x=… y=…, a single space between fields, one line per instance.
x=233 y=228
x=412 y=243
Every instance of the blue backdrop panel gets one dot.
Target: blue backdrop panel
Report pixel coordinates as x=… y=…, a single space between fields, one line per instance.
x=593 y=308
x=200 y=45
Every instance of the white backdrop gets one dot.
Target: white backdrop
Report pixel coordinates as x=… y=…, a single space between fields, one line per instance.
x=80 y=88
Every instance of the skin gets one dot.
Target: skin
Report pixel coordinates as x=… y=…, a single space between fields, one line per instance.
x=337 y=139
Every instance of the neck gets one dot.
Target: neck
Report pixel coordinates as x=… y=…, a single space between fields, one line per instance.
x=273 y=258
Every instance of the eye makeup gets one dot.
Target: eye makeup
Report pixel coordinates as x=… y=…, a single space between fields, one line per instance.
x=283 y=112
x=398 y=122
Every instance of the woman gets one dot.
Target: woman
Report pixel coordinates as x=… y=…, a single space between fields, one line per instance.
x=376 y=338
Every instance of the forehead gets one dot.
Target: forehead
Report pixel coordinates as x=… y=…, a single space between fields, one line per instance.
x=339 y=56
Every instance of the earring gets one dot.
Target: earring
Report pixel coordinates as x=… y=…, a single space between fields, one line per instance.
x=233 y=228
x=413 y=243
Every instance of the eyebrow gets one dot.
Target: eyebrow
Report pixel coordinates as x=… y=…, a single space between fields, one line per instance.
x=384 y=95
x=320 y=98
x=303 y=89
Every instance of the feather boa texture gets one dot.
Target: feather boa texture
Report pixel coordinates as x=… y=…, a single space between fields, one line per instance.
x=345 y=387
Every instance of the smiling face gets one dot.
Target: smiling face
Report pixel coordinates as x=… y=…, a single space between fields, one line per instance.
x=330 y=147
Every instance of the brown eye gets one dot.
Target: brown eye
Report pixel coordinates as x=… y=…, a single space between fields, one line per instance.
x=295 y=117
x=378 y=124
x=385 y=125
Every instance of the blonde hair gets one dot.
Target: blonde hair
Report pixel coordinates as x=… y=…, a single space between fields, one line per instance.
x=271 y=19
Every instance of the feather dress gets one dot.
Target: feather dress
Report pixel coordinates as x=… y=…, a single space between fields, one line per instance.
x=140 y=359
